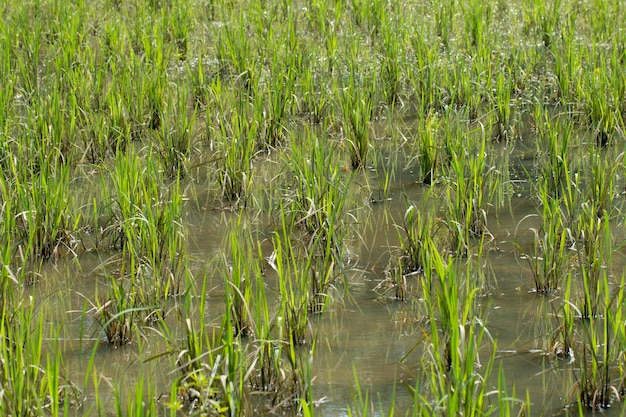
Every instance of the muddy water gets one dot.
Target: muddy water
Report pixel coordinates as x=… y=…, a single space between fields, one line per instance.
x=367 y=336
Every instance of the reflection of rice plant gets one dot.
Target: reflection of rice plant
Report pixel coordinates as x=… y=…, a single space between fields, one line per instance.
x=563 y=339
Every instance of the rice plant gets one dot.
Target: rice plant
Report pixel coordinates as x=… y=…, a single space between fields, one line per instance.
x=594 y=257
x=595 y=384
x=553 y=142
x=45 y=227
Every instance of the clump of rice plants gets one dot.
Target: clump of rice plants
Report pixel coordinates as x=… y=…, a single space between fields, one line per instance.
x=239 y=279
x=594 y=257
x=175 y=138
x=453 y=338
x=297 y=289
x=428 y=148
x=554 y=136
x=549 y=260
x=317 y=204
x=116 y=314
x=211 y=380
x=471 y=188
x=501 y=130
x=145 y=223
x=393 y=38
x=235 y=171
x=30 y=378
x=423 y=74
x=417 y=230
x=44 y=225
x=595 y=384
x=357 y=108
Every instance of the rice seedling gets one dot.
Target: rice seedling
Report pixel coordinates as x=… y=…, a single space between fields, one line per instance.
x=594 y=258
x=601 y=103
x=116 y=314
x=235 y=53
x=44 y=226
x=212 y=380
x=297 y=293
x=545 y=18
x=146 y=223
x=444 y=15
x=315 y=101
x=553 y=148
x=567 y=64
x=180 y=24
x=316 y=202
x=277 y=93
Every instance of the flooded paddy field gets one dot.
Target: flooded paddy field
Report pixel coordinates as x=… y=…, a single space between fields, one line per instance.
x=312 y=208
